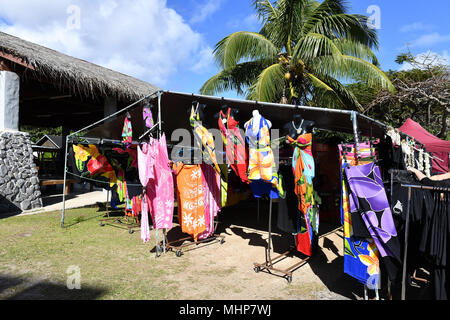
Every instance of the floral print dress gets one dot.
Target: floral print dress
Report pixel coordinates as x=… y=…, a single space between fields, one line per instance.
x=190 y=199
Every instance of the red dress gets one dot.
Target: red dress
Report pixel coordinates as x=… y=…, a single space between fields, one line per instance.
x=237 y=155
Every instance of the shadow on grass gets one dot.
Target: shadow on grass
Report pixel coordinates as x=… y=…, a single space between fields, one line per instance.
x=45 y=290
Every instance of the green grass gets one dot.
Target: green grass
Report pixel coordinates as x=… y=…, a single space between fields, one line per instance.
x=36 y=253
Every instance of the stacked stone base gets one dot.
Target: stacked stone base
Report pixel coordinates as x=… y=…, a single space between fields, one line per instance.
x=19 y=182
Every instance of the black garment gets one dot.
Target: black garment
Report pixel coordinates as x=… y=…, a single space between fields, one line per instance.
x=134 y=186
x=288 y=212
x=433 y=183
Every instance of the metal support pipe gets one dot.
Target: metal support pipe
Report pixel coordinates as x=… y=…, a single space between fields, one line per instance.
x=354 y=118
x=269 y=245
x=118 y=112
x=405 y=254
x=64 y=185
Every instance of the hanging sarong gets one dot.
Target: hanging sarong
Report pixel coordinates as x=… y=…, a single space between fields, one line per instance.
x=191 y=213
x=204 y=139
x=304 y=171
x=262 y=172
x=147 y=116
x=236 y=154
x=160 y=190
x=361 y=256
x=368 y=198
x=211 y=199
x=127 y=131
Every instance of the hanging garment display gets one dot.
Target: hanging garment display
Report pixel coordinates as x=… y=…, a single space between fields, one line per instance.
x=304 y=172
x=236 y=153
x=262 y=171
x=127 y=131
x=288 y=207
x=211 y=199
x=204 y=139
x=134 y=186
x=121 y=182
x=191 y=213
x=147 y=116
x=368 y=198
x=145 y=225
x=361 y=256
x=146 y=161
x=160 y=191
x=90 y=163
x=223 y=182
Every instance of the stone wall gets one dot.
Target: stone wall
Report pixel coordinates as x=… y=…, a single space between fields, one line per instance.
x=19 y=183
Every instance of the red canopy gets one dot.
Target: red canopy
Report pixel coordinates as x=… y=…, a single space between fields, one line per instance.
x=438 y=147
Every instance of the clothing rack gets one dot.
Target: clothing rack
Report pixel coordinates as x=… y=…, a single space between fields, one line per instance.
x=118 y=220
x=166 y=245
x=270 y=262
x=405 y=254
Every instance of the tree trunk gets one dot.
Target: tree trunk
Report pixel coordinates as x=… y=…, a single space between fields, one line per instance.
x=443 y=133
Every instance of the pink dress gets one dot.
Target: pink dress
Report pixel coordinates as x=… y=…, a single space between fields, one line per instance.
x=211 y=199
x=161 y=192
x=146 y=161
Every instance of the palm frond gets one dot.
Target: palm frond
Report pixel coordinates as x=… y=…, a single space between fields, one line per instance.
x=314 y=45
x=269 y=85
x=365 y=72
x=356 y=49
x=236 y=78
x=244 y=45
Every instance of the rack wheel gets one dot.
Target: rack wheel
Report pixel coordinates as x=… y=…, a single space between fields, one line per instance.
x=222 y=241
x=130 y=231
x=102 y=224
x=178 y=253
x=289 y=279
x=257 y=269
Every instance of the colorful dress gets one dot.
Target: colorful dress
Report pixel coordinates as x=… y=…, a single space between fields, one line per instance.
x=361 y=256
x=368 y=198
x=204 y=139
x=147 y=116
x=91 y=163
x=127 y=131
x=211 y=199
x=146 y=161
x=262 y=171
x=160 y=191
x=236 y=154
x=304 y=171
x=191 y=213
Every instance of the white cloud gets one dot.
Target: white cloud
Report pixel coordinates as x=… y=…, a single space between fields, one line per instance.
x=429 y=56
x=430 y=39
x=416 y=26
x=249 y=23
x=205 y=10
x=142 y=38
x=205 y=60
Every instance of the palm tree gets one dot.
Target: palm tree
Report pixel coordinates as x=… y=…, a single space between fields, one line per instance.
x=304 y=51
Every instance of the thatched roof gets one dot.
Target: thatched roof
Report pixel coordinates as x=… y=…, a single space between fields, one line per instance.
x=80 y=76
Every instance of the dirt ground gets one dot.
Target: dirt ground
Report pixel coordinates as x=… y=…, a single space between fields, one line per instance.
x=125 y=268
x=226 y=271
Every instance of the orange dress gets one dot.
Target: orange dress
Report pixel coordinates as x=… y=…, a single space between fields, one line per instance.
x=191 y=212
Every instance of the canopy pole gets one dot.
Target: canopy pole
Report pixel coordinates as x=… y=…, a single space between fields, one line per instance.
x=354 y=118
x=118 y=112
x=64 y=186
x=160 y=135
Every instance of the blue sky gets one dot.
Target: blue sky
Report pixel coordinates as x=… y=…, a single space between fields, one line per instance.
x=423 y=25
x=169 y=43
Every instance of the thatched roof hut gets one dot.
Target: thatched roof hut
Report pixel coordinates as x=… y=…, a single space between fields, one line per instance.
x=80 y=77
